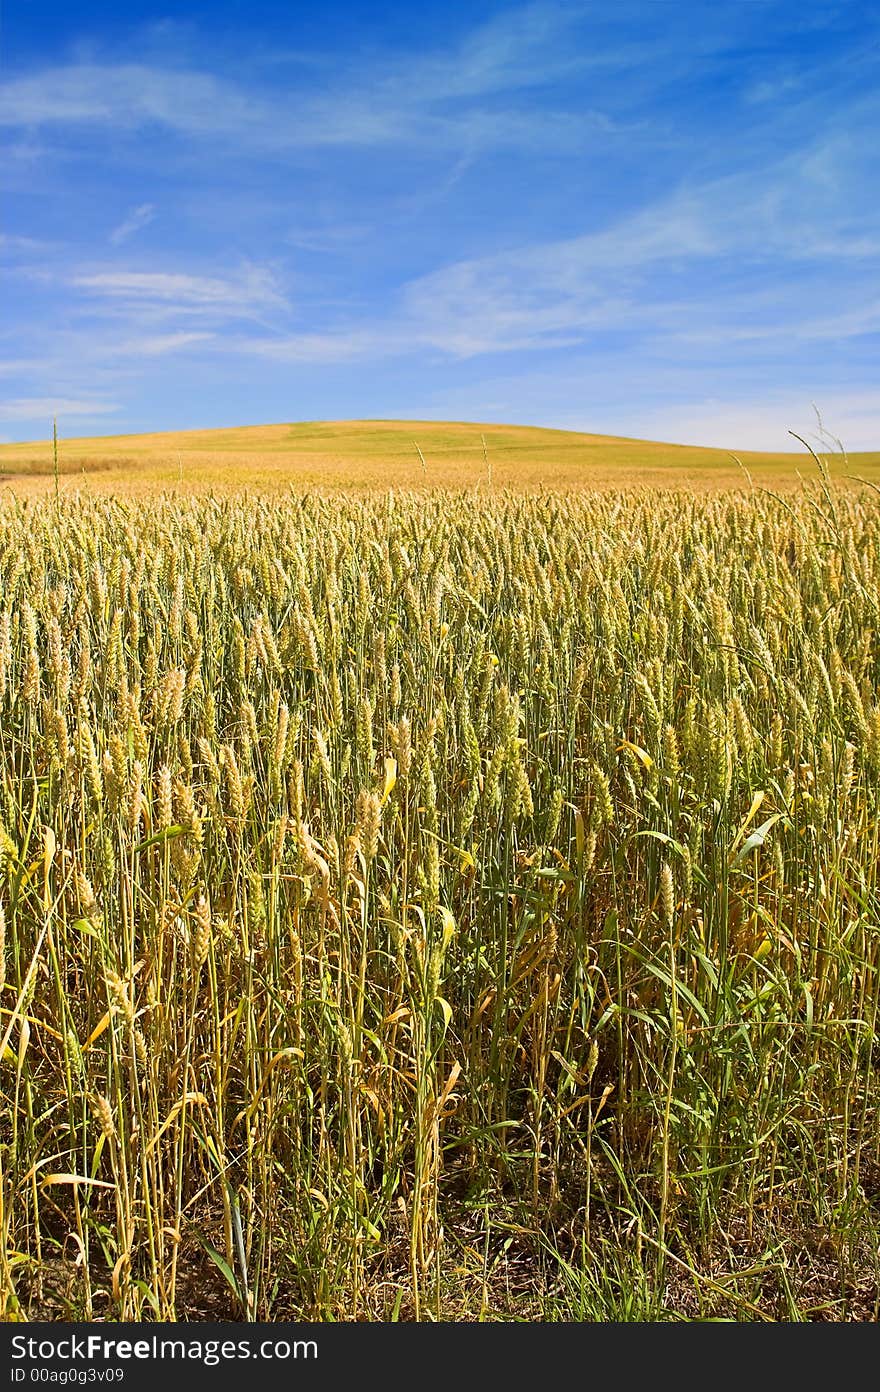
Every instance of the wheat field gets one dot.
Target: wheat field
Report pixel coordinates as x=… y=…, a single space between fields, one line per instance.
x=362 y=456
x=454 y=906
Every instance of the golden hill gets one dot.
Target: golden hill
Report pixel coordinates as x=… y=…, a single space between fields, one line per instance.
x=360 y=455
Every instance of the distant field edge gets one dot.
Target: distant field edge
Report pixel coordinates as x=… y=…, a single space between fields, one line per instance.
x=378 y=453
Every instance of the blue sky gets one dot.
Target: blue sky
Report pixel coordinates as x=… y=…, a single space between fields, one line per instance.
x=650 y=218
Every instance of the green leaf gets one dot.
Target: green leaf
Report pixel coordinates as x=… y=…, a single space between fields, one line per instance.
x=223 y=1266
x=666 y=840
x=755 y=839
x=168 y=834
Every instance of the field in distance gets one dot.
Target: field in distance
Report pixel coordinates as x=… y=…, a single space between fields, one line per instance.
x=362 y=455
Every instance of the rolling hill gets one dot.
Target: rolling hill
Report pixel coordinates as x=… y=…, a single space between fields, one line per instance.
x=361 y=455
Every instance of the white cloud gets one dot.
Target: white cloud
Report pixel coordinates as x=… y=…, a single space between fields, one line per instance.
x=19 y=367
x=43 y=408
x=340 y=346
x=546 y=296
x=789 y=326
x=24 y=244
x=138 y=217
x=771 y=90
x=356 y=114
x=558 y=291
x=130 y=94
x=251 y=290
x=852 y=417
x=157 y=345
x=443 y=97
x=735 y=273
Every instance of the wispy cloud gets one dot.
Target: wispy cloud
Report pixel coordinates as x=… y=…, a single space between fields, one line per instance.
x=678 y=266
x=597 y=202
x=671 y=272
x=201 y=106
x=448 y=96
x=329 y=238
x=853 y=417
x=36 y=408
x=158 y=345
x=247 y=293
x=138 y=218
x=126 y=95
x=340 y=345
x=21 y=245
x=18 y=367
